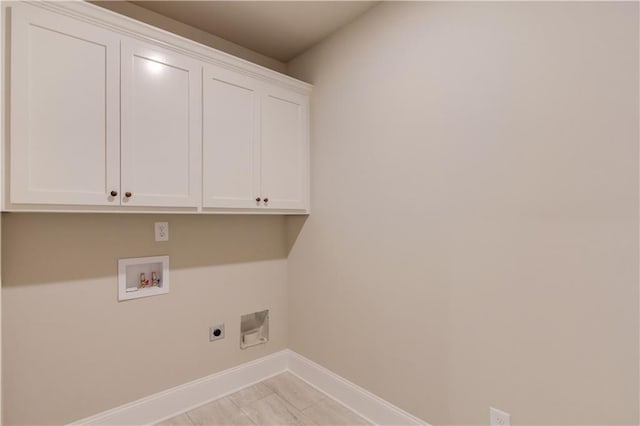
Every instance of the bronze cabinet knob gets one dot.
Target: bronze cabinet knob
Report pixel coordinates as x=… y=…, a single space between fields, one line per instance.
x=266 y=200
x=257 y=199
x=114 y=193
x=127 y=194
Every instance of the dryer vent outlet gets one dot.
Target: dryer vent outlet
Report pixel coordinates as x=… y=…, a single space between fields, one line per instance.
x=254 y=329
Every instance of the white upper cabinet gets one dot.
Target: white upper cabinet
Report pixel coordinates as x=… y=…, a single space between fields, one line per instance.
x=107 y=114
x=161 y=127
x=284 y=149
x=255 y=144
x=65 y=133
x=231 y=139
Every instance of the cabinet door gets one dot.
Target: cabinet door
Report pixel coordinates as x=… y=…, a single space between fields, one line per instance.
x=161 y=127
x=231 y=132
x=285 y=149
x=64 y=142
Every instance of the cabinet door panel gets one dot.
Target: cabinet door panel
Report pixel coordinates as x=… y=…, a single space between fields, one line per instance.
x=230 y=140
x=284 y=149
x=64 y=111
x=160 y=127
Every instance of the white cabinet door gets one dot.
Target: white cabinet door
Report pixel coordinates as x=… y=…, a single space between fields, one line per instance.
x=231 y=139
x=161 y=127
x=64 y=140
x=284 y=149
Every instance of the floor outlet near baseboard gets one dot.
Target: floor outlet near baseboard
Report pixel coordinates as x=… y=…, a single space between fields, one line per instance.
x=499 y=417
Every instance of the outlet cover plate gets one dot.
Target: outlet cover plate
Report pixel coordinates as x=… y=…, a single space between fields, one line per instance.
x=499 y=417
x=216 y=332
x=162 y=231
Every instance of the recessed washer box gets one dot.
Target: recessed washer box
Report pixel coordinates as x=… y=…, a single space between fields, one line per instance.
x=143 y=277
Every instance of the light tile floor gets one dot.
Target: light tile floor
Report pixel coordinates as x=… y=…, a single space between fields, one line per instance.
x=280 y=400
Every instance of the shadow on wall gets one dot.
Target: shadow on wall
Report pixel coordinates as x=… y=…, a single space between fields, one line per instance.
x=293 y=226
x=40 y=248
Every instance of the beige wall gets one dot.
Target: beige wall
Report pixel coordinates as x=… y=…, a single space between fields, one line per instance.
x=70 y=349
x=474 y=235
x=152 y=18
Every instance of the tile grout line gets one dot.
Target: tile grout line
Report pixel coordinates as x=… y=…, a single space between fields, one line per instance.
x=240 y=410
x=329 y=397
x=232 y=401
x=289 y=403
x=274 y=389
x=228 y=394
x=290 y=408
x=253 y=402
x=190 y=419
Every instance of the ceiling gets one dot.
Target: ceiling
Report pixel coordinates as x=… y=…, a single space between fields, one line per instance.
x=277 y=29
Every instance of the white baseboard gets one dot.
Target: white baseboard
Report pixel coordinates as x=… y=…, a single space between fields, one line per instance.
x=371 y=407
x=169 y=403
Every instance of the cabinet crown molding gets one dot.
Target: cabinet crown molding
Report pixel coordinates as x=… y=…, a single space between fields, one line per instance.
x=95 y=15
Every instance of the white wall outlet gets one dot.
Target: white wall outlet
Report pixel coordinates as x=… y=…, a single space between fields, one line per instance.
x=499 y=417
x=162 y=231
x=216 y=332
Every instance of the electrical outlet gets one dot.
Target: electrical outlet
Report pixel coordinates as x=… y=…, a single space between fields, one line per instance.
x=162 y=231
x=216 y=332
x=499 y=417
